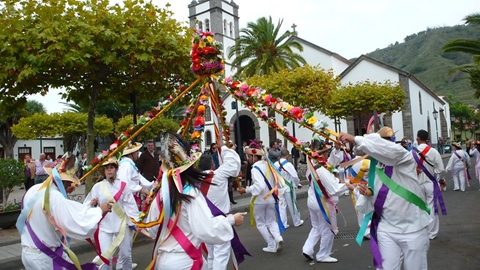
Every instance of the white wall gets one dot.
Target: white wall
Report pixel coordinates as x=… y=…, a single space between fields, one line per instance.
x=35 y=146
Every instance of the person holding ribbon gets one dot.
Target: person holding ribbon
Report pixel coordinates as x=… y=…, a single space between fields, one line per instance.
x=179 y=217
x=139 y=186
x=324 y=189
x=111 y=231
x=48 y=218
x=264 y=203
x=459 y=164
x=394 y=200
x=289 y=198
x=430 y=165
x=218 y=202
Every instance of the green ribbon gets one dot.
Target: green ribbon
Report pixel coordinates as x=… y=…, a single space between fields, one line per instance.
x=292 y=190
x=367 y=217
x=402 y=192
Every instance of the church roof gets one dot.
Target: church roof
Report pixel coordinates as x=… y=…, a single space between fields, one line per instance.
x=333 y=54
x=399 y=71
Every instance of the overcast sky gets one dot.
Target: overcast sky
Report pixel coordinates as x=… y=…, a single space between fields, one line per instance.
x=347 y=27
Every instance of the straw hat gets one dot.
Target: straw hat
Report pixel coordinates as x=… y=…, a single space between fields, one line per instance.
x=175 y=151
x=111 y=160
x=457 y=144
x=131 y=148
x=386 y=132
x=66 y=170
x=254 y=151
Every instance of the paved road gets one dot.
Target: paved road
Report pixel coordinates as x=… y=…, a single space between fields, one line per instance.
x=456 y=246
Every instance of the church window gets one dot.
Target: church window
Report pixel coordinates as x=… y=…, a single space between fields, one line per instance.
x=225 y=27
x=231 y=29
x=420 y=102
x=208 y=113
x=208 y=137
x=200 y=26
x=207 y=25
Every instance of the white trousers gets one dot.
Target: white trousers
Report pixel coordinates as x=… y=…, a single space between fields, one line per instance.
x=124 y=260
x=458 y=179
x=105 y=240
x=414 y=247
x=175 y=261
x=218 y=256
x=38 y=260
x=434 y=226
x=286 y=202
x=321 y=231
x=267 y=225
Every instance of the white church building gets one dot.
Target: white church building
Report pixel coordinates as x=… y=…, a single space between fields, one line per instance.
x=221 y=17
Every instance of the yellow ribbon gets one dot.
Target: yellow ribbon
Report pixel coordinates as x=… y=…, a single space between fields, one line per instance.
x=252 y=214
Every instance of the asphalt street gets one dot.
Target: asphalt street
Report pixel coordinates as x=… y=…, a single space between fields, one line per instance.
x=456 y=246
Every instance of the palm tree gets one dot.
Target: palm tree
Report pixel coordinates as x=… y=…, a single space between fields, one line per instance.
x=470 y=46
x=260 y=50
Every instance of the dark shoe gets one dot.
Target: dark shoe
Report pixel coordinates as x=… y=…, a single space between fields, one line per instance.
x=309 y=257
x=233 y=202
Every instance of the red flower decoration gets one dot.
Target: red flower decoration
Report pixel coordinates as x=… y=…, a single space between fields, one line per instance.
x=95 y=161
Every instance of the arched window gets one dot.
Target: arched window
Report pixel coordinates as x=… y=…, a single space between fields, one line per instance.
x=224 y=26
x=207 y=25
x=231 y=29
x=208 y=137
x=208 y=113
x=420 y=102
x=200 y=26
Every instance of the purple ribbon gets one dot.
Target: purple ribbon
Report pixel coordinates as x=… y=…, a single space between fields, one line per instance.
x=437 y=194
x=377 y=214
x=58 y=261
x=238 y=249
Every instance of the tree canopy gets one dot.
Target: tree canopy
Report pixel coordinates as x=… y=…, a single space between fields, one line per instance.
x=261 y=49
x=469 y=46
x=159 y=125
x=364 y=97
x=308 y=87
x=94 y=50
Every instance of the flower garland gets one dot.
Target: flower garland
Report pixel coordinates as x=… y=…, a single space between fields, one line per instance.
x=250 y=97
x=206 y=54
x=259 y=96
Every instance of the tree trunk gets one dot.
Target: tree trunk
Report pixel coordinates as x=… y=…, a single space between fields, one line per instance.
x=7 y=139
x=90 y=132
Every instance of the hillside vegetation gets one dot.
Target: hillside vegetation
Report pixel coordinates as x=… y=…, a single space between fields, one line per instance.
x=421 y=54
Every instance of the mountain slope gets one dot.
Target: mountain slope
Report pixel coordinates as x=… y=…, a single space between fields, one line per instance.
x=422 y=55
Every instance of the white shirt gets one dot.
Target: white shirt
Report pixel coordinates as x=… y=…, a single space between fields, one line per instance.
x=398 y=215
x=259 y=187
x=75 y=219
x=218 y=193
x=434 y=158
x=455 y=163
x=196 y=222
x=127 y=173
x=289 y=173
x=332 y=186
x=111 y=221
x=336 y=157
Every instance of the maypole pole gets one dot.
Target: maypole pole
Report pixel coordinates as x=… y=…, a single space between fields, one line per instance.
x=141 y=129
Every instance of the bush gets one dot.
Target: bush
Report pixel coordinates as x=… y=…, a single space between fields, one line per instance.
x=11 y=175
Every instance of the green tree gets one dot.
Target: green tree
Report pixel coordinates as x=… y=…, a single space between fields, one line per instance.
x=308 y=87
x=70 y=126
x=11 y=175
x=363 y=98
x=159 y=125
x=260 y=50
x=10 y=117
x=95 y=50
x=469 y=46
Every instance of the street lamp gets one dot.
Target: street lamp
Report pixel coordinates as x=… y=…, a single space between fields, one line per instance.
x=464 y=121
x=435 y=116
x=473 y=129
